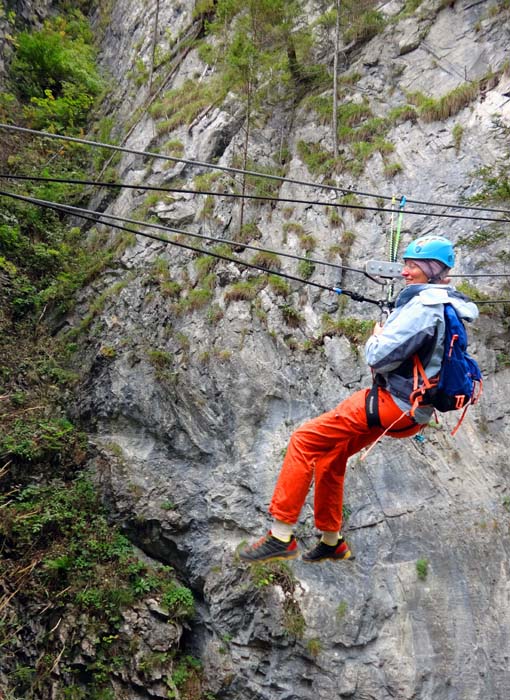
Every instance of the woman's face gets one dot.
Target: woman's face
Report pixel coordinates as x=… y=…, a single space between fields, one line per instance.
x=413 y=274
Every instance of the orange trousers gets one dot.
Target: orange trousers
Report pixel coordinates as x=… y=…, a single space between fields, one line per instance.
x=319 y=451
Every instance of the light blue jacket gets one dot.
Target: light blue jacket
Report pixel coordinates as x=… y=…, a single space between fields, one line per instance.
x=415 y=326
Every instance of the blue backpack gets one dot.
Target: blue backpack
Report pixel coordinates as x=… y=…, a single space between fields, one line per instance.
x=459 y=382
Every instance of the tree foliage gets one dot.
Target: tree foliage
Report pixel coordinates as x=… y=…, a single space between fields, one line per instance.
x=54 y=74
x=259 y=43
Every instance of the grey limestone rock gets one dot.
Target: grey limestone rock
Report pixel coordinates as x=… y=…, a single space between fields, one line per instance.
x=206 y=428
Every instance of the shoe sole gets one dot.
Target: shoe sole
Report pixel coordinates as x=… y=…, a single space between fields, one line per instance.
x=349 y=555
x=278 y=557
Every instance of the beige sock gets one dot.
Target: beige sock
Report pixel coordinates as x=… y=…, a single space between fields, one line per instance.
x=282 y=531
x=330 y=538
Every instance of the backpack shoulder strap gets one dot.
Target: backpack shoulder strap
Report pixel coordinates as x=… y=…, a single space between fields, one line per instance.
x=417 y=396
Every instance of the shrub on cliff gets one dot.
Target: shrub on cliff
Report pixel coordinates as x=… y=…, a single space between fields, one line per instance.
x=54 y=73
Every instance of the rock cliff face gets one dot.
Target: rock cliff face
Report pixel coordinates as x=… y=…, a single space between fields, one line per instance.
x=191 y=405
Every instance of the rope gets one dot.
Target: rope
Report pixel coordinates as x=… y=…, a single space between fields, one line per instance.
x=279 y=178
x=392 y=226
x=395 y=237
x=399 y=226
x=75 y=210
x=337 y=290
x=285 y=200
x=344 y=268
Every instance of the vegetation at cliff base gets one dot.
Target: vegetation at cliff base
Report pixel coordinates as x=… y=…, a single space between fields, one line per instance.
x=62 y=559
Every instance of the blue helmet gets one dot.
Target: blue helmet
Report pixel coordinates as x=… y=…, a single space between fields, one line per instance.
x=431 y=247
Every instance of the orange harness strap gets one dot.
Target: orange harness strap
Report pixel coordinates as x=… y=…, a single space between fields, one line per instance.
x=474 y=398
x=418 y=392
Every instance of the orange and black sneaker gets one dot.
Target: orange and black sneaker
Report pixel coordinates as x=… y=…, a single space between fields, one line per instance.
x=323 y=551
x=269 y=548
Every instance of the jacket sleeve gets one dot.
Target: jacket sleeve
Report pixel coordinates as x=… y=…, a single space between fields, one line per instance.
x=402 y=336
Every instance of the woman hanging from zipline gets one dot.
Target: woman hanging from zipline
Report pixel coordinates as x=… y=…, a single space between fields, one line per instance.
x=320 y=448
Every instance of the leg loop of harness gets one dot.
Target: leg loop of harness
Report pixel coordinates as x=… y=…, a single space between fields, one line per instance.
x=372 y=410
x=372 y=407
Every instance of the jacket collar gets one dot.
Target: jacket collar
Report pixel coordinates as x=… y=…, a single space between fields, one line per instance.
x=408 y=293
